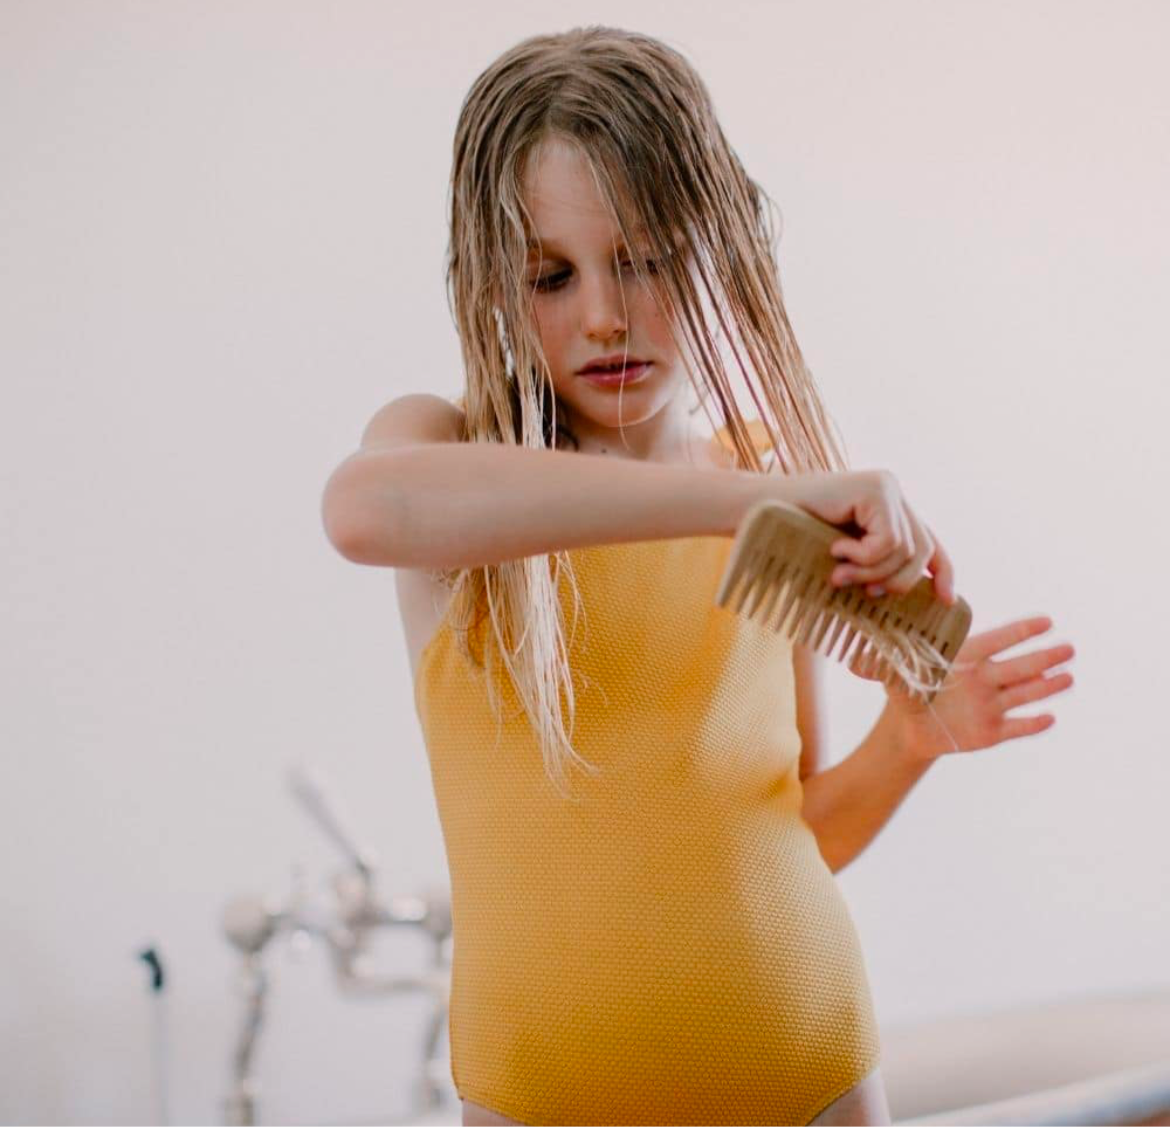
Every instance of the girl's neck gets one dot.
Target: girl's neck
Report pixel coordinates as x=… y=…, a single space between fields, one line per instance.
x=691 y=447
x=671 y=436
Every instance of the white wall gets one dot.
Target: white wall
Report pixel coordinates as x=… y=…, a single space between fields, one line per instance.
x=222 y=230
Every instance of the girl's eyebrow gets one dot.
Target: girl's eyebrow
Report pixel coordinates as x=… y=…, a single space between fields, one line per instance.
x=534 y=243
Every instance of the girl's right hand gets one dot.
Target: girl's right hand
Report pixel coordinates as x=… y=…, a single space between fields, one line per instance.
x=894 y=544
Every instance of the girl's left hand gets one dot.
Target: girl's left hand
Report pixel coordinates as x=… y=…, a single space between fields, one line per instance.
x=978 y=692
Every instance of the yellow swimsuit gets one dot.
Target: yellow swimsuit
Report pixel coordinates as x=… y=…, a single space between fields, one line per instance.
x=672 y=948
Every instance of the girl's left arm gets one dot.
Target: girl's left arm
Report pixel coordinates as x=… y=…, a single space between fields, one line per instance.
x=847 y=804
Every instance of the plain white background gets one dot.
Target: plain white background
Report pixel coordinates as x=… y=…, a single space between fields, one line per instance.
x=222 y=237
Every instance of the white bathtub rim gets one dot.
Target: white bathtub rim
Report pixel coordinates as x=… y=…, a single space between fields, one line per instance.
x=1123 y=1097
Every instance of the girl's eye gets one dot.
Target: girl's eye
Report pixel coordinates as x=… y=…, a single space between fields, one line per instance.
x=549 y=282
x=555 y=281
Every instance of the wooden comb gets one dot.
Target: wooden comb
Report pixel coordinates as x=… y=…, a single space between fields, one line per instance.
x=780 y=547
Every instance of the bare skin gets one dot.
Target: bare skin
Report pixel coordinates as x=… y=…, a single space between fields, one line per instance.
x=863 y=1104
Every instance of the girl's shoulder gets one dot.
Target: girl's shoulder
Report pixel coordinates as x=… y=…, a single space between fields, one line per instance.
x=757 y=436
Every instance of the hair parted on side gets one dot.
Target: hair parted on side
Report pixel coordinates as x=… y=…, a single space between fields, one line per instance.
x=643 y=119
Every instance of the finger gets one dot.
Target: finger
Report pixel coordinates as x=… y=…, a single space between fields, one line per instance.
x=1017 y=726
x=895 y=574
x=920 y=546
x=940 y=567
x=877 y=573
x=903 y=535
x=857 y=549
x=1031 y=665
x=872 y=552
x=901 y=581
x=1036 y=689
x=1004 y=637
x=880 y=539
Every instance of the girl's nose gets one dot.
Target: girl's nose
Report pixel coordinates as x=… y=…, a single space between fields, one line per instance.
x=603 y=312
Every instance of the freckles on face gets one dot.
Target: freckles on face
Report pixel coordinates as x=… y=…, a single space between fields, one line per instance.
x=586 y=298
x=572 y=333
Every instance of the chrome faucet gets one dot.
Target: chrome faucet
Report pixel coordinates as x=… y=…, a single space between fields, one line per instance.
x=251 y=922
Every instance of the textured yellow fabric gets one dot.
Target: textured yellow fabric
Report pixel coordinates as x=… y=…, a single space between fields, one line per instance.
x=671 y=948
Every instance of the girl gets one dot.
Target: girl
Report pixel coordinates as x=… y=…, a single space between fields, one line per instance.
x=640 y=841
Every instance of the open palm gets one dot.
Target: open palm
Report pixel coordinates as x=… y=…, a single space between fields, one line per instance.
x=976 y=696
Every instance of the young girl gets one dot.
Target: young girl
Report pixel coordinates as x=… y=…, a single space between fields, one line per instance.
x=640 y=839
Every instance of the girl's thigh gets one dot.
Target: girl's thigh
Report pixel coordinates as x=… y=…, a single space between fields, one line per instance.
x=863 y=1104
x=475 y=1115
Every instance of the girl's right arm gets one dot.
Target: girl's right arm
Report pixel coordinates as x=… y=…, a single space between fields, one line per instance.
x=415 y=496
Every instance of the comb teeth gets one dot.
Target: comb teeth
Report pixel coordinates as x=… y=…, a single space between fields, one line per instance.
x=781 y=555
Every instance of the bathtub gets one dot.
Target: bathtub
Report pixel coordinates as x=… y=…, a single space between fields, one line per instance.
x=1101 y=1059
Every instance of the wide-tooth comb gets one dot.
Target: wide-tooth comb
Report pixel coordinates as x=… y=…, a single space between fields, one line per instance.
x=782 y=548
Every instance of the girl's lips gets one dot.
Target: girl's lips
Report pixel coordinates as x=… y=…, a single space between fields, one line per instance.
x=630 y=374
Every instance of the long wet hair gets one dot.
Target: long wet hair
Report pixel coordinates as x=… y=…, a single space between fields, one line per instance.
x=644 y=121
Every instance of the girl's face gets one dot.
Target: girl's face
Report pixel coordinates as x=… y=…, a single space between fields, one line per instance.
x=586 y=310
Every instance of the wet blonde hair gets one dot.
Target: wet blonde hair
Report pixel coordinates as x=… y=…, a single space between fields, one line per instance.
x=643 y=119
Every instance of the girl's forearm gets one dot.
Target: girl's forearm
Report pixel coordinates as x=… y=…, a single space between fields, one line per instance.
x=847 y=804
x=446 y=505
